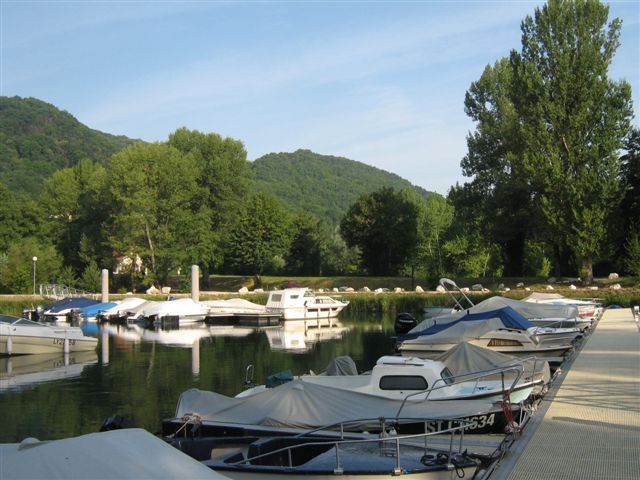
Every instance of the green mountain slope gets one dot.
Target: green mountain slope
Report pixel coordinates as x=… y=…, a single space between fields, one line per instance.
x=36 y=139
x=323 y=185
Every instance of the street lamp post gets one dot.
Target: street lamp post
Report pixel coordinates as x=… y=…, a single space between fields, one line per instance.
x=35 y=259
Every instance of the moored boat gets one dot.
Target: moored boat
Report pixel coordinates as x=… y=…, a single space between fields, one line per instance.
x=503 y=330
x=303 y=303
x=324 y=453
x=404 y=378
x=19 y=336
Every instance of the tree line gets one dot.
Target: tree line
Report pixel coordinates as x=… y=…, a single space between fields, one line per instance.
x=553 y=167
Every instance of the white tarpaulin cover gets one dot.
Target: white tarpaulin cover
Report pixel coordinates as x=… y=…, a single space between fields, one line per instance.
x=130 y=454
x=528 y=310
x=466 y=358
x=555 y=299
x=299 y=404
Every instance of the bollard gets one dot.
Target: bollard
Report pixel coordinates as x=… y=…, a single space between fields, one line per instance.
x=105 y=285
x=195 y=283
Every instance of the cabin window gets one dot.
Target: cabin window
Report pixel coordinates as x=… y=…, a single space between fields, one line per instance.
x=276 y=297
x=294 y=296
x=403 y=382
x=447 y=376
x=501 y=342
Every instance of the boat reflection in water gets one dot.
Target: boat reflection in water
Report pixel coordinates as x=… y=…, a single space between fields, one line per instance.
x=27 y=370
x=301 y=335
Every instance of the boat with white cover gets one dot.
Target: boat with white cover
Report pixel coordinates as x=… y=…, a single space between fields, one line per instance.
x=122 y=309
x=396 y=378
x=564 y=315
x=185 y=310
x=301 y=303
x=127 y=454
x=19 y=336
x=232 y=306
x=503 y=330
x=588 y=310
x=297 y=404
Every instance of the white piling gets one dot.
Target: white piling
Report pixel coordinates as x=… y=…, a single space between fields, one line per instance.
x=65 y=347
x=9 y=345
x=105 y=285
x=195 y=283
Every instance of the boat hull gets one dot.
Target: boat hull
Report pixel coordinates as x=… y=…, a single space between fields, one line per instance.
x=27 y=344
x=286 y=473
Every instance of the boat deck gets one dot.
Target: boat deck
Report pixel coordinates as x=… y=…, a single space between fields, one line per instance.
x=590 y=429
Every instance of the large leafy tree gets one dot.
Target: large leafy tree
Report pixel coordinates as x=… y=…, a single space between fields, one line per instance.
x=435 y=219
x=383 y=224
x=19 y=217
x=572 y=119
x=498 y=201
x=73 y=201
x=16 y=265
x=225 y=177
x=156 y=208
x=261 y=236
x=307 y=244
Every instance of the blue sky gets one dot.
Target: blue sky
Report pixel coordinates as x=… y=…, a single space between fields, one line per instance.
x=378 y=82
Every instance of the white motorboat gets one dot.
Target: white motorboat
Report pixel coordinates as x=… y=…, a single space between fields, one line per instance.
x=301 y=303
x=19 y=336
x=502 y=330
x=397 y=378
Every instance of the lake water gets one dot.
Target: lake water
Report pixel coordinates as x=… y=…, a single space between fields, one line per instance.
x=140 y=374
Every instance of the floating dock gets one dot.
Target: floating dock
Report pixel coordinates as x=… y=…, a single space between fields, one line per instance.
x=245 y=319
x=589 y=425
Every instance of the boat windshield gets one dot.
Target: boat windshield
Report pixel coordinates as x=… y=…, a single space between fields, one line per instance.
x=447 y=376
x=8 y=319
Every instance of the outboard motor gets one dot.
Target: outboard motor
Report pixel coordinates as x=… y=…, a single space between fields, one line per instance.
x=116 y=422
x=404 y=322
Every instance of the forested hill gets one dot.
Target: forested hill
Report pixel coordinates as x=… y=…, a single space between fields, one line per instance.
x=322 y=185
x=36 y=139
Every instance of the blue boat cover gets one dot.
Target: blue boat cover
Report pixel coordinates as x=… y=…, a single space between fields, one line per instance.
x=507 y=315
x=93 y=310
x=71 y=303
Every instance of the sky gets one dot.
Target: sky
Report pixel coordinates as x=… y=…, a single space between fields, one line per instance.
x=379 y=82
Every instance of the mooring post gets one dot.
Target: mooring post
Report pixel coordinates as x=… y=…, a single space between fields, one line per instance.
x=105 y=285
x=195 y=283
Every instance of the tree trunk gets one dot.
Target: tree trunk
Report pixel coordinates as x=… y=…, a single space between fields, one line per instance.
x=205 y=276
x=586 y=271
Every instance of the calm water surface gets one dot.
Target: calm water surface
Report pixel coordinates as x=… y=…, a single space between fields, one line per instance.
x=140 y=373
